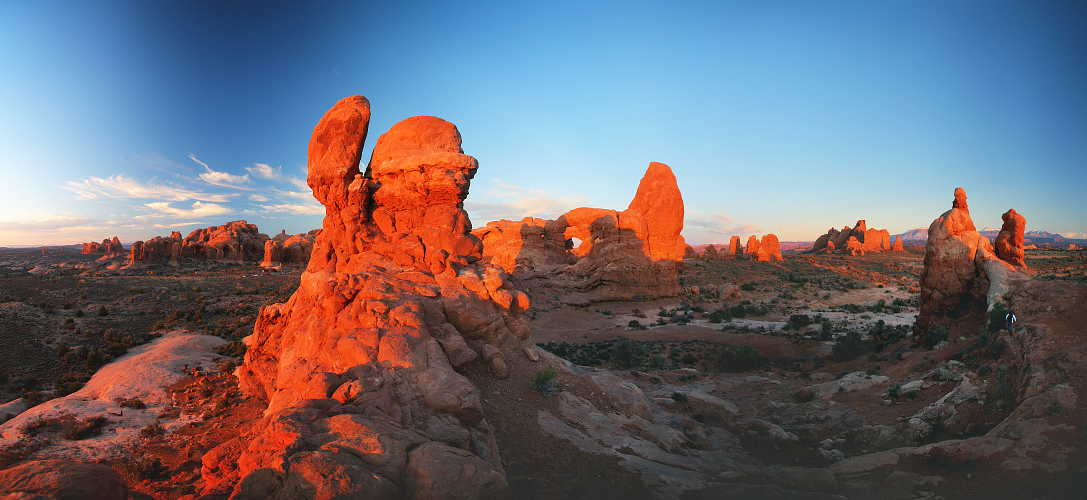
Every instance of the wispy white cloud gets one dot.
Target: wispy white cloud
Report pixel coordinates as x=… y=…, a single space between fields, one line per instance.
x=297 y=208
x=263 y=171
x=714 y=226
x=199 y=209
x=507 y=201
x=1074 y=236
x=121 y=187
x=258 y=197
x=222 y=179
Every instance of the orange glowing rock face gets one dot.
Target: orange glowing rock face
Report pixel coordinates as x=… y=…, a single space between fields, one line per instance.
x=362 y=356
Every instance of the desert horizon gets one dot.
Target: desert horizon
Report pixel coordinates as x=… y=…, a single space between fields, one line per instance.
x=568 y=250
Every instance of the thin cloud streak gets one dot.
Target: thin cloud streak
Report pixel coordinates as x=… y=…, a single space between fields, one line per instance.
x=120 y=187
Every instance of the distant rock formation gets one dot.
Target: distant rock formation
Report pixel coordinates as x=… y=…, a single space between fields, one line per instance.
x=710 y=252
x=961 y=273
x=897 y=247
x=734 y=246
x=520 y=247
x=769 y=249
x=159 y=248
x=358 y=367
x=236 y=241
x=624 y=255
x=752 y=248
x=866 y=240
x=1009 y=243
x=283 y=248
x=109 y=247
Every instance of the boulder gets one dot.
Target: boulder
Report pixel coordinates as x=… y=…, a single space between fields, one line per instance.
x=1009 y=242
x=362 y=357
x=63 y=479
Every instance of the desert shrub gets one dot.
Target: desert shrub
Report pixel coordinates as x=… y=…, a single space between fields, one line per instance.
x=893 y=391
x=629 y=353
x=88 y=427
x=997 y=318
x=656 y=363
x=67 y=305
x=234 y=349
x=934 y=336
x=798 y=321
x=873 y=370
x=135 y=403
x=545 y=382
x=720 y=315
x=827 y=332
x=79 y=313
x=738 y=311
x=102 y=311
x=226 y=366
x=679 y=397
x=873 y=357
x=1004 y=389
x=636 y=325
x=848 y=347
x=739 y=358
x=606 y=312
x=748 y=287
x=149 y=468
x=689 y=359
x=33 y=398
x=153 y=429
x=911 y=395
x=62 y=349
x=878 y=306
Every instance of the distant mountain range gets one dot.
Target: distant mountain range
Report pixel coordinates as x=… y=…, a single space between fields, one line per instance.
x=1042 y=238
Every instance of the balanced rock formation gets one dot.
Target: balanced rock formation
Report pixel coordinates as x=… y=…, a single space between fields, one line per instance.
x=1009 y=242
x=283 y=248
x=866 y=240
x=962 y=273
x=622 y=255
x=236 y=241
x=109 y=247
x=358 y=367
x=142 y=253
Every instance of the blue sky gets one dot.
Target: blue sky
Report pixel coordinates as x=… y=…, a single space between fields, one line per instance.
x=138 y=118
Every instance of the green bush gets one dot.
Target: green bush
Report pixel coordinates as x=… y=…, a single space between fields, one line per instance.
x=636 y=325
x=89 y=427
x=934 y=336
x=893 y=391
x=720 y=315
x=848 y=347
x=738 y=311
x=998 y=318
x=102 y=311
x=739 y=358
x=679 y=397
x=628 y=353
x=748 y=287
x=798 y=321
x=545 y=382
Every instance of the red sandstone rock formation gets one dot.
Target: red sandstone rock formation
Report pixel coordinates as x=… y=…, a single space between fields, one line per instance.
x=866 y=240
x=624 y=255
x=142 y=253
x=752 y=248
x=236 y=241
x=898 y=244
x=710 y=252
x=525 y=246
x=283 y=248
x=962 y=273
x=62 y=479
x=659 y=201
x=734 y=246
x=1009 y=242
x=358 y=367
x=109 y=247
x=769 y=249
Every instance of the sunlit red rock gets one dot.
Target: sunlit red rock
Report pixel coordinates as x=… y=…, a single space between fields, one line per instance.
x=283 y=248
x=109 y=247
x=236 y=241
x=1009 y=242
x=734 y=246
x=362 y=357
x=752 y=248
x=769 y=250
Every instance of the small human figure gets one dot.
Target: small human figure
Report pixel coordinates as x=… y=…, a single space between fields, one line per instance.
x=1011 y=320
